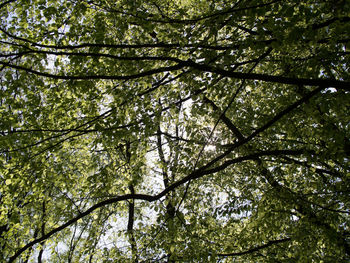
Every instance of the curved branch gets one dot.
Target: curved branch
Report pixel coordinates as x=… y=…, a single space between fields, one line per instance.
x=123 y=46
x=254 y=249
x=194 y=175
x=84 y=77
x=6 y=3
x=325 y=83
x=90 y=54
x=81 y=215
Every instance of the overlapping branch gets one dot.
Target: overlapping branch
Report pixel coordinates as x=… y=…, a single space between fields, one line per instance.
x=195 y=175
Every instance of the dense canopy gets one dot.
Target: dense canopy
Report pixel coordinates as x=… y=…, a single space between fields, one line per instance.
x=174 y=131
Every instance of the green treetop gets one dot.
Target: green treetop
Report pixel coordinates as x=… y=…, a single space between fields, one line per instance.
x=174 y=131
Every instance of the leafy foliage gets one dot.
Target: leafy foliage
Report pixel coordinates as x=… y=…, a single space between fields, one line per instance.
x=174 y=131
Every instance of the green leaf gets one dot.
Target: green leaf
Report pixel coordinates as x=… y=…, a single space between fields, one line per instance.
x=134 y=131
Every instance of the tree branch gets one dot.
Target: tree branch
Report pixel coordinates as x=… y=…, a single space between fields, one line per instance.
x=195 y=175
x=324 y=83
x=255 y=249
x=226 y=120
x=87 y=77
x=6 y=3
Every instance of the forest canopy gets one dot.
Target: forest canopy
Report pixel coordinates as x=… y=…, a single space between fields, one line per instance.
x=174 y=131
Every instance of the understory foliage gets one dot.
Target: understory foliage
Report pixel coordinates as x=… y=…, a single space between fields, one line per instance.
x=174 y=131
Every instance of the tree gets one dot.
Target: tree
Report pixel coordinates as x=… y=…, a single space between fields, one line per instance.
x=174 y=131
